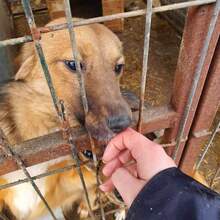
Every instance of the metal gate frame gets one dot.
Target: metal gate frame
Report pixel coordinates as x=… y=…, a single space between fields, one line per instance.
x=195 y=79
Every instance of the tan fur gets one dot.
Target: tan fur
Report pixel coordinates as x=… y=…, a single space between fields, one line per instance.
x=26 y=109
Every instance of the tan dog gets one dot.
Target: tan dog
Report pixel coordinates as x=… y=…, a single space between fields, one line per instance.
x=26 y=111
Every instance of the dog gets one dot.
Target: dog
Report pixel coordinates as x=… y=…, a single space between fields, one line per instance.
x=27 y=111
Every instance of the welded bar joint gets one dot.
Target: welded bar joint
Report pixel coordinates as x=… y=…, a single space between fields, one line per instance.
x=140 y=12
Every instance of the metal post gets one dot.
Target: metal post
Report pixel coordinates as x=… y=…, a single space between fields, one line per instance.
x=196 y=79
x=190 y=72
x=205 y=114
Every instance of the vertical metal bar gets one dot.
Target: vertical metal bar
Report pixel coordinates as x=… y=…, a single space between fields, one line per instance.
x=4 y=144
x=76 y=55
x=205 y=114
x=81 y=81
x=145 y=61
x=196 y=78
x=207 y=146
x=36 y=37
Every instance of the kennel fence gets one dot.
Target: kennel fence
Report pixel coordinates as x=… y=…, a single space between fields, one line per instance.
x=186 y=120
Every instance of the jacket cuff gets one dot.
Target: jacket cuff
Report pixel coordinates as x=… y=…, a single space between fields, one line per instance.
x=158 y=188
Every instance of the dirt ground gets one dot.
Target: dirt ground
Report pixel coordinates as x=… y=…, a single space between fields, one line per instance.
x=164 y=49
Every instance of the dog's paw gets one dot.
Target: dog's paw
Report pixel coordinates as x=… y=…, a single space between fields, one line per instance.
x=83 y=211
x=120 y=215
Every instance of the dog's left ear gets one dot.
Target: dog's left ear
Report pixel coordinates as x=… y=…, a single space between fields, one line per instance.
x=25 y=69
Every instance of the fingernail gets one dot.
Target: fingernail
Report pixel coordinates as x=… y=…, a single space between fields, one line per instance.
x=104 y=161
x=105 y=171
x=103 y=187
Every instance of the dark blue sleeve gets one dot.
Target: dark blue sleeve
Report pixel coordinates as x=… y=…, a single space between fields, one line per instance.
x=172 y=195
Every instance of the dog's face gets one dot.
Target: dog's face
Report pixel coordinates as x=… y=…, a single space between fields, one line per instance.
x=102 y=61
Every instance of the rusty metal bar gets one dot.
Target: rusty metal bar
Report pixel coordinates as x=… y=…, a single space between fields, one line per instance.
x=196 y=78
x=83 y=98
x=42 y=175
x=53 y=145
x=81 y=81
x=203 y=133
x=145 y=61
x=15 y=41
x=196 y=28
x=207 y=146
x=56 y=171
x=4 y=144
x=175 y=6
x=76 y=55
x=36 y=37
x=205 y=114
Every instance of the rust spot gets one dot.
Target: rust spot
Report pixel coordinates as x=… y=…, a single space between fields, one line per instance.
x=36 y=34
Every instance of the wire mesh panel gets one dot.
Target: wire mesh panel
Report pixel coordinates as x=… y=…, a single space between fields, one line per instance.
x=140 y=117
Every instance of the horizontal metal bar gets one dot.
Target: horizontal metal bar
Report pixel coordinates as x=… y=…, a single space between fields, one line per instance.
x=203 y=133
x=59 y=170
x=136 y=13
x=15 y=41
x=7 y=148
x=42 y=175
x=53 y=145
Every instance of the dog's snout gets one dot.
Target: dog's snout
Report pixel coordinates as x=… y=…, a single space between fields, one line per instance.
x=119 y=123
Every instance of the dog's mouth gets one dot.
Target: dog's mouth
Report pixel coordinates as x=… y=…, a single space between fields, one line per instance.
x=103 y=130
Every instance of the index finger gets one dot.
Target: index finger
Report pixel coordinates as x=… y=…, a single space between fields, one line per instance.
x=128 y=139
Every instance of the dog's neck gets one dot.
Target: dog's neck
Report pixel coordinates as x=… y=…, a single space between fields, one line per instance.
x=25 y=112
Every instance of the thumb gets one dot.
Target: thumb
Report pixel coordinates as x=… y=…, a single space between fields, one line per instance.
x=127 y=185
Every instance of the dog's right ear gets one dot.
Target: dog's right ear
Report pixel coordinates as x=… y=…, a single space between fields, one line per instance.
x=25 y=69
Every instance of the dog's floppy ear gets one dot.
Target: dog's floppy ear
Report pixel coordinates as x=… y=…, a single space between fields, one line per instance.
x=25 y=69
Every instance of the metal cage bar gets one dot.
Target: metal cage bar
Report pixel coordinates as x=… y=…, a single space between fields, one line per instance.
x=4 y=144
x=61 y=109
x=205 y=113
x=145 y=61
x=36 y=37
x=175 y=6
x=81 y=81
x=196 y=78
x=42 y=175
x=59 y=106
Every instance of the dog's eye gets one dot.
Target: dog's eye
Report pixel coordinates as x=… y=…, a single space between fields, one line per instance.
x=118 y=68
x=88 y=154
x=71 y=64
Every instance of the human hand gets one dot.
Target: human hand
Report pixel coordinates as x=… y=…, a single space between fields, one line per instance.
x=131 y=160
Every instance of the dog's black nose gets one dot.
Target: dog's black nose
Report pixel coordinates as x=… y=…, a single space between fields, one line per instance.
x=118 y=123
